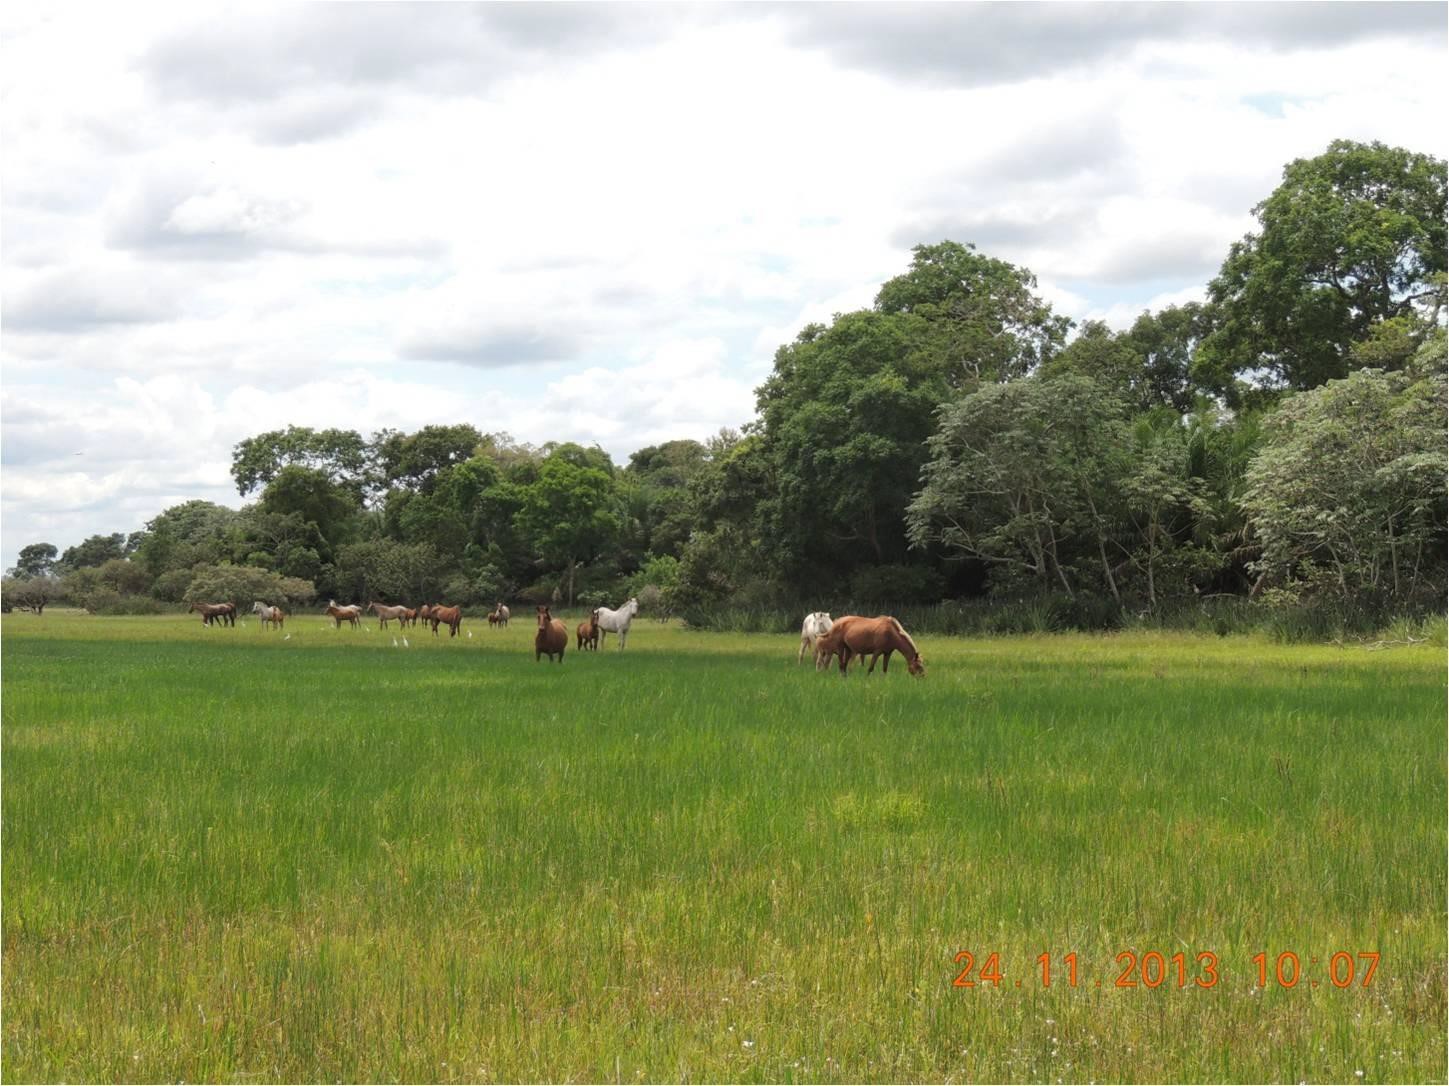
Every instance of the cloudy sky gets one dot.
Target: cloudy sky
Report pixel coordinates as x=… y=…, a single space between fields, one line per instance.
x=593 y=222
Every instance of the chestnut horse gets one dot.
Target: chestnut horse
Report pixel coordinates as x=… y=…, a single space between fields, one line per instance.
x=446 y=616
x=876 y=637
x=552 y=636
x=589 y=632
x=351 y=614
x=425 y=614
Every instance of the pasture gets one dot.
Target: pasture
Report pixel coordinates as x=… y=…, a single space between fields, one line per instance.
x=230 y=857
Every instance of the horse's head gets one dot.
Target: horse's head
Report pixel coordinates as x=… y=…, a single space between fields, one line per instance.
x=544 y=618
x=916 y=666
x=632 y=606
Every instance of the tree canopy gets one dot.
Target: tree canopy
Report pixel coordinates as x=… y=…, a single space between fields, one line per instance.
x=1351 y=239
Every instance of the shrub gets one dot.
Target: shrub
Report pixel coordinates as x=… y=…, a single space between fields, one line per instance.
x=242 y=584
x=171 y=586
x=896 y=584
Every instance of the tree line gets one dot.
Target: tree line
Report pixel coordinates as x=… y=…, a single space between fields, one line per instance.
x=1282 y=442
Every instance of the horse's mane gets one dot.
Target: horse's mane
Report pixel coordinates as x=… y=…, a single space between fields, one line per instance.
x=902 y=631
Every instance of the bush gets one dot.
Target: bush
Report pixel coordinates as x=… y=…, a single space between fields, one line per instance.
x=171 y=586
x=112 y=603
x=896 y=584
x=243 y=584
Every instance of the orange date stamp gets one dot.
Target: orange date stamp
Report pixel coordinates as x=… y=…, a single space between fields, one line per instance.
x=1154 y=969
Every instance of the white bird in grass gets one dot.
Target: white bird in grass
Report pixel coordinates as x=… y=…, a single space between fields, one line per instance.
x=470 y=635
x=405 y=642
x=287 y=638
x=394 y=642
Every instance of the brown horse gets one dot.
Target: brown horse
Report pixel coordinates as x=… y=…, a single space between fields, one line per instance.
x=351 y=614
x=225 y=613
x=552 y=636
x=410 y=616
x=446 y=616
x=589 y=632
x=493 y=618
x=876 y=637
x=425 y=614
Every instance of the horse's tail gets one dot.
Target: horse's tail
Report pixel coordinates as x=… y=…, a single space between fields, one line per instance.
x=902 y=631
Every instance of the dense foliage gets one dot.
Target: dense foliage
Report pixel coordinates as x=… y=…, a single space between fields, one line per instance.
x=1283 y=442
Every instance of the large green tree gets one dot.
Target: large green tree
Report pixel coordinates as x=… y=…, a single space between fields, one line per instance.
x=1027 y=478
x=416 y=460
x=846 y=414
x=94 y=551
x=657 y=483
x=185 y=535
x=988 y=321
x=570 y=512
x=1348 y=491
x=35 y=560
x=341 y=455
x=1352 y=238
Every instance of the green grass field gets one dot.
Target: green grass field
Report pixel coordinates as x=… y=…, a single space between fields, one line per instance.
x=229 y=857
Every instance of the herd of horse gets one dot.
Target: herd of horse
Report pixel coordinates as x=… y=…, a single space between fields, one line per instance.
x=553 y=636
x=847 y=638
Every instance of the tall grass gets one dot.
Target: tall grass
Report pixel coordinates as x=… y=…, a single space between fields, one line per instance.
x=233 y=857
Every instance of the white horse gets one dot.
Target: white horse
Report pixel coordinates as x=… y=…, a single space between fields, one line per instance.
x=267 y=614
x=618 y=621
x=815 y=626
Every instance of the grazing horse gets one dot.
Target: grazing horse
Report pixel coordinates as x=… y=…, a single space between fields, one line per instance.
x=588 y=632
x=425 y=614
x=450 y=617
x=552 y=637
x=268 y=614
x=815 y=626
x=410 y=616
x=618 y=621
x=352 y=613
x=225 y=613
x=876 y=637
x=384 y=613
